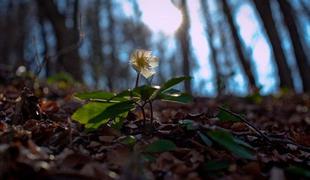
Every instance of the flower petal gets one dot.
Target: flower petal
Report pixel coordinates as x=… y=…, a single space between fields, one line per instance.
x=147 y=73
x=153 y=61
x=143 y=62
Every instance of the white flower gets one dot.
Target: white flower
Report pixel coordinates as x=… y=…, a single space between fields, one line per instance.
x=143 y=62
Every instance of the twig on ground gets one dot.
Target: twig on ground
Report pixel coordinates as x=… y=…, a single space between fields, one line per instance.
x=247 y=123
x=261 y=134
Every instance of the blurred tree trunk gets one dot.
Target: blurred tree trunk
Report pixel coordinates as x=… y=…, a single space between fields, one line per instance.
x=8 y=27
x=226 y=57
x=264 y=10
x=44 y=45
x=112 y=56
x=244 y=60
x=213 y=53
x=22 y=28
x=183 y=38
x=136 y=10
x=305 y=8
x=96 y=41
x=14 y=37
x=300 y=54
x=67 y=39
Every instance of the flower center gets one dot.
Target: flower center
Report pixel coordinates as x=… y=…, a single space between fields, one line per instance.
x=141 y=61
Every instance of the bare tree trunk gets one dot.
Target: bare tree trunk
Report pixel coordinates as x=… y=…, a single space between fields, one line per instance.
x=264 y=10
x=68 y=61
x=226 y=54
x=20 y=41
x=300 y=54
x=244 y=60
x=97 y=57
x=305 y=8
x=113 y=54
x=136 y=10
x=45 y=45
x=213 y=52
x=183 y=39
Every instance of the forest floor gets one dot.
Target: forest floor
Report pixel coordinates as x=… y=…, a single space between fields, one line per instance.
x=39 y=140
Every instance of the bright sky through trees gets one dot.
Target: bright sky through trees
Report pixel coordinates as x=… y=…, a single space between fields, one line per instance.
x=161 y=16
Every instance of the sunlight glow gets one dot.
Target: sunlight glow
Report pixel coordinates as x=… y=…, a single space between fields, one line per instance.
x=160 y=16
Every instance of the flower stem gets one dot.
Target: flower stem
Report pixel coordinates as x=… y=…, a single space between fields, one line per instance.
x=144 y=116
x=151 y=109
x=137 y=80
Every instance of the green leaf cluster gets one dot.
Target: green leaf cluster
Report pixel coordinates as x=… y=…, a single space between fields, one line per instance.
x=229 y=142
x=161 y=145
x=104 y=106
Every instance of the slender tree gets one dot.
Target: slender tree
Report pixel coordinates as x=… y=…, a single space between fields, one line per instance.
x=296 y=38
x=244 y=60
x=184 y=42
x=264 y=10
x=114 y=65
x=226 y=53
x=305 y=8
x=67 y=39
x=136 y=10
x=44 y=46
x=213 y=52
x=96 y=41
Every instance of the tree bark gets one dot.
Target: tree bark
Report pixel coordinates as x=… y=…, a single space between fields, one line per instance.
x=112 y=56
x=68 y=39
x=305 y=8
x=213 y=53
x=183 y=39
x=300 y=54
x=96 y=41
x=245 y=61
x=45 y=45
x=264 y=10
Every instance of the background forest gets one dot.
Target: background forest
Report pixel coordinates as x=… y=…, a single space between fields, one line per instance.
x=73 y=107
x=228 y=46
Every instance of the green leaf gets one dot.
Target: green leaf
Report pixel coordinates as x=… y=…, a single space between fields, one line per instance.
x=205 y=139
x=227 y=140
x=298 y=171
x=166 y=93
x=118 y=122
x=226 y=116
x=129 y=140
x=93 y=126
x=148 y=158
x=177 y=97
x=145 y=92
x=113 y=111
x=215 y=165
x=172 y=82
x=60 y=77
x=188 y=124
x=172 y=91
x=161 y=145
x=89 y=111
x=127 y=94
x=256 y=98
x=239 y=141
x=95 y=95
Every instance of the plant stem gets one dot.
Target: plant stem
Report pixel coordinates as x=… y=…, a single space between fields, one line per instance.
x=151 y=109
x=137 y=80
x=144 y=116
